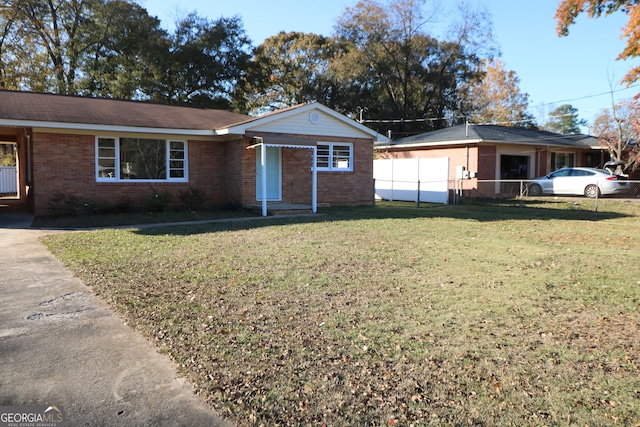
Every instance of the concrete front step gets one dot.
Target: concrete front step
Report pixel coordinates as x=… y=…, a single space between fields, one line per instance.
x=279 y=212
x=274 y=209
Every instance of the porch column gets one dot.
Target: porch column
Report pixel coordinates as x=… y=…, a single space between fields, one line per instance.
x=314 y=180
x=263 y=165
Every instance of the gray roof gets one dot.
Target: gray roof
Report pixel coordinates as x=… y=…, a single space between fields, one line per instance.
x=463 y=134
x=42 y=107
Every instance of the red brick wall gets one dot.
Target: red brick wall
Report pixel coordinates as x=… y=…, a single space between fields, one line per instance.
x=248 y=175
x=224 y=171
x=542 y=159
x=62 y=164
x=487 y=166
x=235 y=163
x=65 y=164
x=207 y=170
x=334 y=188
x=296 y=175
x=349 y=188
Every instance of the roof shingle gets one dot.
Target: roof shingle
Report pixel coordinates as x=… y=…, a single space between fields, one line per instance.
x=42 y=107
x=493 y=133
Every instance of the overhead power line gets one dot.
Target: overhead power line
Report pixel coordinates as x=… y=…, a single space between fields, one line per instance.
x=433 y=119
x=590 y=96
x=404 y=120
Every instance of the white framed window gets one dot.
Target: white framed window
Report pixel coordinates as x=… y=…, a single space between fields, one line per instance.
x=561 y=160
x=140 y=159
x=335 y=156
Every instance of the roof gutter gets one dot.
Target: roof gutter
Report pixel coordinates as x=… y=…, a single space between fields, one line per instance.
x=429 y=144
x=106 y=128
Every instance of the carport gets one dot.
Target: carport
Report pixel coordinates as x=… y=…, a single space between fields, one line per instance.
x=20 y=138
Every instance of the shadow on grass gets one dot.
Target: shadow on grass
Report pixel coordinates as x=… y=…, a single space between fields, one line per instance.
x=134 y=219
x=478 y=210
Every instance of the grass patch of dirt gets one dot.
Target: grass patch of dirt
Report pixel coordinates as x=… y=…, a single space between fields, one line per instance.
x=477 y=314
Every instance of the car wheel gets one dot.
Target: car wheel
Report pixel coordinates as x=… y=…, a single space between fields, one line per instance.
x=592 y=191
x=535 y=190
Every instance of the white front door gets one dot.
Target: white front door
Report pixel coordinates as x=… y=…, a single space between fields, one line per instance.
x=274 y=174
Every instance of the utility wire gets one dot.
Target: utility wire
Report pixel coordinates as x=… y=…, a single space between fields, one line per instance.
x=589 y=96
x=433 y=119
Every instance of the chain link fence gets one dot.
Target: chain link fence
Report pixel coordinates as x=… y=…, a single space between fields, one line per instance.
x=455 y=191
x=521 y=189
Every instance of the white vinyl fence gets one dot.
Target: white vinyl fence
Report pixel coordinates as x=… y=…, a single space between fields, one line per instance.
x=417 y=180
x=8 y=180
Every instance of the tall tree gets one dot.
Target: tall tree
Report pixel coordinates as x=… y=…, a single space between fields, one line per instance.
x=497 y=98
x=126 y=44
x=204 y=63
x=618 y=129
x=57 y=29
x=405 y=73
x=568 y=11
x=289 y=69
x=113 y=48
x=564 y=120
x=62 y=45
x=21 y=65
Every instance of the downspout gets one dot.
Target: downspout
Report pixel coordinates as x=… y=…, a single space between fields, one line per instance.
x=29 y=159
x=467 y=147
x=547 y=162
x=466 y=135
x=263 y=166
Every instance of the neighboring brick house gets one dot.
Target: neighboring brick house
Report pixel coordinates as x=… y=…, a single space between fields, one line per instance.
x=109 y=151
x=489 y=152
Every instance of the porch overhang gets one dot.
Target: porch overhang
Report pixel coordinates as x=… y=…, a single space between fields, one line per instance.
x=286 y=142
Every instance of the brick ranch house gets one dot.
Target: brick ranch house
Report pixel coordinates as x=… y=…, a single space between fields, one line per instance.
x=107 y=151
x=489 y=152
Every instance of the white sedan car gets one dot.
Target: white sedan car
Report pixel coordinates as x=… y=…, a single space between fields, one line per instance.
x=590 y=182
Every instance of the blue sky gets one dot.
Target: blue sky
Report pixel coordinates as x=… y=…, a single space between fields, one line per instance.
x=576 y=69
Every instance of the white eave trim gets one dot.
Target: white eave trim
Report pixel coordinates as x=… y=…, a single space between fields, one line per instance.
x=428 y=144
x=483 y=141
x=106 y=128
x=242 y=128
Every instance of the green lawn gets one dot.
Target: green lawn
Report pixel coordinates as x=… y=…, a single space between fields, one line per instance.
x=475 y=314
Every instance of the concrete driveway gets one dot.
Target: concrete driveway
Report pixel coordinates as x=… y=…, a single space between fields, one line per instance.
x=60 y=345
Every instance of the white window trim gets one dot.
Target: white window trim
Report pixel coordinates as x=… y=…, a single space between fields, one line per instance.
x=554 y=154
x=336 y=169
x=117 y=178
x=185 y=160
